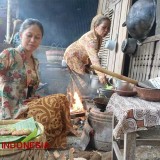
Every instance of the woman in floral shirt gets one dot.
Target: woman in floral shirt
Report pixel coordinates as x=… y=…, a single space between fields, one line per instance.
x=80 y=54
x=19 y=80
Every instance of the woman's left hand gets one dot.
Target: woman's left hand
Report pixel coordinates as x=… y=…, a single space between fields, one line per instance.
x=31 y=98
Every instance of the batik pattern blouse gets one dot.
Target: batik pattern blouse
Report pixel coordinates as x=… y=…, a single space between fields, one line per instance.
x=83 y=52
x=15 y=77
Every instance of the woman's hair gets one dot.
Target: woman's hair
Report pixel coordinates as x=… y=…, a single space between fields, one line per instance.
x=98 y=19
x=29 y=22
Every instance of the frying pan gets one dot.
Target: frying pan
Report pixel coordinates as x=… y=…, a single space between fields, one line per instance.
x=145 y=84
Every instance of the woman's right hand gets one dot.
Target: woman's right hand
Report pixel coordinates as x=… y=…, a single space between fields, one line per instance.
x=102 y=79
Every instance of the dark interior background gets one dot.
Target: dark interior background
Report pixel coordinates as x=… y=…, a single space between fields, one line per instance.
x=64 y=20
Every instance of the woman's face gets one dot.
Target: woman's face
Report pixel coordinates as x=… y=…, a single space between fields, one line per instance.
x=31 y=38
x=103 y=29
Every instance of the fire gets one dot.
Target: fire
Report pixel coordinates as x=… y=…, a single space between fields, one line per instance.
x=77 y=106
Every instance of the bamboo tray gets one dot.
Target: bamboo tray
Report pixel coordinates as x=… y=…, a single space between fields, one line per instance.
x=25 y=154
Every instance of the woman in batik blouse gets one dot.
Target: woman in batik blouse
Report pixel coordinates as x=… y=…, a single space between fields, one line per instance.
x=19 y=80
x=84 y=52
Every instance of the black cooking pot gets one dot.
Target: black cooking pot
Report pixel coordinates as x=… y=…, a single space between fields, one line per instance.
x=140 y=19
x=101 y=103
x=129 y=46
x=105 y=92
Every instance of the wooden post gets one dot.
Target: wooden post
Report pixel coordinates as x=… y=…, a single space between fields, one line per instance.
x=129 y=146
x=8 y=21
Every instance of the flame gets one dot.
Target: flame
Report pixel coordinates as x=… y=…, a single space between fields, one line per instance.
x=77 y=106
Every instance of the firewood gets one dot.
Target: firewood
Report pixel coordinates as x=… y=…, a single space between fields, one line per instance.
x=56 y=154
x=71 y=154
x=62 y=157
x=79 y=158
x=76 y=121
x=96 y=156
x=50 y=156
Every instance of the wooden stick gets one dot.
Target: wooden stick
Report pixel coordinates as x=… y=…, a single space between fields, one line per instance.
x=71 y=154
x=119 y=76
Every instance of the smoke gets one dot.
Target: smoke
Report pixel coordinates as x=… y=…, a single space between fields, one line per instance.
x=63 y=21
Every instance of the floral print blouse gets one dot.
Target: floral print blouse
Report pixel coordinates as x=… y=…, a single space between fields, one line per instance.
x=83 y=52
x=15 y=77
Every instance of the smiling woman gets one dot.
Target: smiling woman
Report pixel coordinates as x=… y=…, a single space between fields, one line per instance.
x=19 y=80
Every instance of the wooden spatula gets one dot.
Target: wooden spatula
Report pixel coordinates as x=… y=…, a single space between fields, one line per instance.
x=145 y=84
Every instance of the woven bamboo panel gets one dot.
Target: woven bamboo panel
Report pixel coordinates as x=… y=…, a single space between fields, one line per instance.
x=141 y=63
x=104 y=53
x=155 y=71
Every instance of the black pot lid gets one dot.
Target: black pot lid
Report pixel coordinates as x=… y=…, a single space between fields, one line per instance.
x=129 y=46
x=141 y=18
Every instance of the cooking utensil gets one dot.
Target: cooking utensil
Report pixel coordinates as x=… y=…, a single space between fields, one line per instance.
x=126 y=93
x=101 y=103
x=129 y=46
x=105 y=92
x=148 y=94
x=140 y=18
x=121 y=84
x=146 y=84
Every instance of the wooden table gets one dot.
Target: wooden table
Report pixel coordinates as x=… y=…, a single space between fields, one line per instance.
x=132 y=115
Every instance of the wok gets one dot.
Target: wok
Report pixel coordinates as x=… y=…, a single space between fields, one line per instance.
x=140 y=18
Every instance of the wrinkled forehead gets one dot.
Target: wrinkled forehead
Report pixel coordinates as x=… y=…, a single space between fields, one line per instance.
x=105 y=23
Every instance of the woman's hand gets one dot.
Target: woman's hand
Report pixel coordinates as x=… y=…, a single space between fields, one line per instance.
x=102 y=79
x=87 y=68
x=31 y=98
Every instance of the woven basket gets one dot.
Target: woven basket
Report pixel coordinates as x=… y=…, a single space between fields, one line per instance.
x=24 y=154
x=148 y=94
x=54 y=56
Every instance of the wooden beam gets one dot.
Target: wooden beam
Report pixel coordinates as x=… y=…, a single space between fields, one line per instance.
x=152 y=39
x=117 y=151
x=129 y=146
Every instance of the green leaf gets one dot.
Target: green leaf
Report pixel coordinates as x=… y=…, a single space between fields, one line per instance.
x=30 y=136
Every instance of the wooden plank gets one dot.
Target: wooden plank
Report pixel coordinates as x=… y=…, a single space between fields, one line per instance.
x=150 y=61
x=141 y=62
x=119 y=61
x=152 y=39
x=104 y=53
x=151 y=142
x=115 y=148
x=136 y=64
x=155 y=71
x=115 y=27
x=157 y=17
x=144 y=61
x=117 y=151
x=113 y=3
x=129 y=146
x=140 y=65
x=100 y=5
